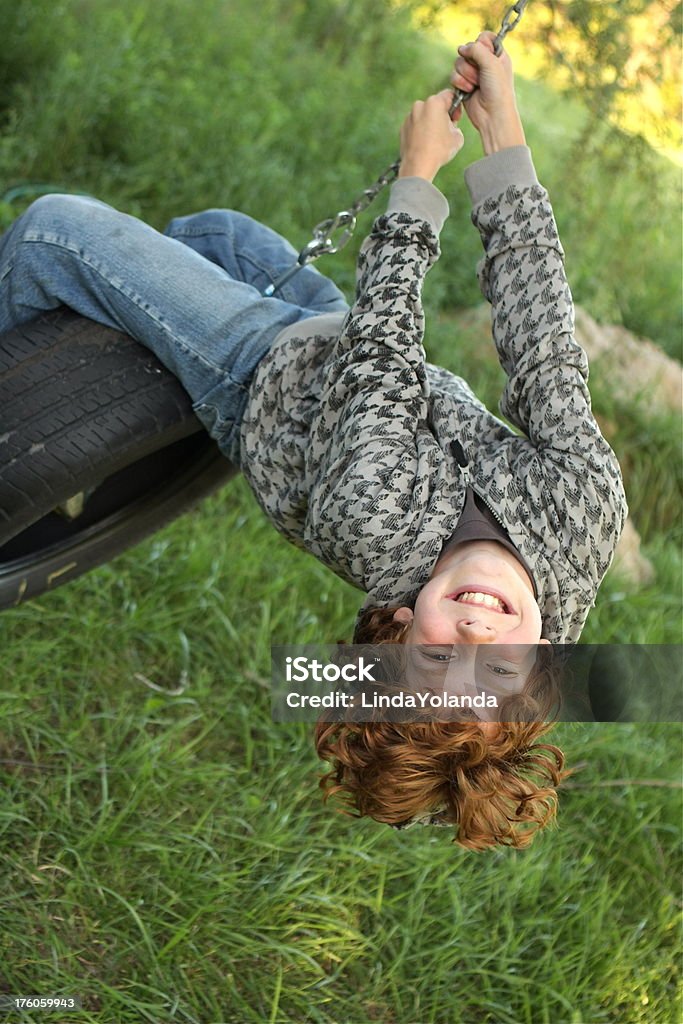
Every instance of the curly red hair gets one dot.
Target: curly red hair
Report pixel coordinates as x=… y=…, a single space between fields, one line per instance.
x=495 y=788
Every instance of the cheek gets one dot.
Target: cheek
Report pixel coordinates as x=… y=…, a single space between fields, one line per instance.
x=533 y=624
x=429 y=624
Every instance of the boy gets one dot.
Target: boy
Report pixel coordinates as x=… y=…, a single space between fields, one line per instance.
x=387 y=469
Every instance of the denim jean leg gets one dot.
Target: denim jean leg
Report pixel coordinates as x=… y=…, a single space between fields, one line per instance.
x=207 y=328
x=252 y=252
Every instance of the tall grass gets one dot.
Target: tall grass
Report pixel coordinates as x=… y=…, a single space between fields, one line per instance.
x=287 y=111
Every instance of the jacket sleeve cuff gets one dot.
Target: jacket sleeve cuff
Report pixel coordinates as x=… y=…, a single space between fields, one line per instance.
x=419 y=198
x=492 y=175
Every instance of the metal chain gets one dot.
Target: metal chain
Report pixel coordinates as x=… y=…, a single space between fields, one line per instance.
x=331 y=235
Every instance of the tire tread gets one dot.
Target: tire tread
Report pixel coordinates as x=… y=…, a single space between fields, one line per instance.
x=79 y=401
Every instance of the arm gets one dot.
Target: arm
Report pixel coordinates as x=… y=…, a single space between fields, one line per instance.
x=401 y=248
x=367 y=450
x=522 y=276
x=368 y=438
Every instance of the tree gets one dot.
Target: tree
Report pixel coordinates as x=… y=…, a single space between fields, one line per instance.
x=621 y=58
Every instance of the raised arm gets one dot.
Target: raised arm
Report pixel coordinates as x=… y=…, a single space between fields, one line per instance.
x=370 y=450
x=522 y=275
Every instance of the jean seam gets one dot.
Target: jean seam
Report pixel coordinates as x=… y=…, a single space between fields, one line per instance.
x=31 y=238
x=197 y=232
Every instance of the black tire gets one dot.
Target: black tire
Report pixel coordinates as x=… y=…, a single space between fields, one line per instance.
x=87 y=411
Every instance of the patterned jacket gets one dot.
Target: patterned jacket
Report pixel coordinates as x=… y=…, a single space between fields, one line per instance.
x=347 y=440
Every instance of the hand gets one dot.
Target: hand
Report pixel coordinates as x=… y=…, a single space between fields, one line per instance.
x=493 y=108
x=429 y=138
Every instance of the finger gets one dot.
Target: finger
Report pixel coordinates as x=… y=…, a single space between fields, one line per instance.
x=464 y=60
x=444 y=98
x=466 y=68
x=465 y=74
x=440 y=101
x=487 y=39
x=467 y=84
x=479 y=53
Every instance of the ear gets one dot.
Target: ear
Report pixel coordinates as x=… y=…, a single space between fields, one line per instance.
x=404 y=615
x=542 y=641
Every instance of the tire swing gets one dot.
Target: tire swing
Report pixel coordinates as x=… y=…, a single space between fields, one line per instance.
x=99 y=446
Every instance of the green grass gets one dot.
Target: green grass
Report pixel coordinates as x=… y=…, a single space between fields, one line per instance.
x=167 y=855
x=172 y=851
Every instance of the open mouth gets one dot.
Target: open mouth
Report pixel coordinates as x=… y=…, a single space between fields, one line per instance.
x=489 y=599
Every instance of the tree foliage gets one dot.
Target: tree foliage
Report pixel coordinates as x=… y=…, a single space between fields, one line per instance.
x=622 y=58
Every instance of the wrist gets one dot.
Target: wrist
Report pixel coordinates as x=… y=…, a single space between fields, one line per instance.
x=417 y=169
x=502 y=133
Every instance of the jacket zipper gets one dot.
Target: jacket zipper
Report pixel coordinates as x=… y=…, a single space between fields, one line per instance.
x=460 y=457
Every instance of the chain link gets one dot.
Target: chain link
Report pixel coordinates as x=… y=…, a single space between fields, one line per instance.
x=342 y=225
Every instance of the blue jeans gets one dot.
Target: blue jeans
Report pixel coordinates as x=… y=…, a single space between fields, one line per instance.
x=192 y=295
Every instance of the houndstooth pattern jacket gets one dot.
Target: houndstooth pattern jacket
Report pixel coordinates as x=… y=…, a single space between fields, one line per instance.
x=348 y=437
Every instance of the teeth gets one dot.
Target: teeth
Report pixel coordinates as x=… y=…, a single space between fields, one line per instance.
x=486 y=599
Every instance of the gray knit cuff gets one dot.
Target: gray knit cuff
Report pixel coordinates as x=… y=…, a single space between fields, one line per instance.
x=420 y=199
x=492 y=175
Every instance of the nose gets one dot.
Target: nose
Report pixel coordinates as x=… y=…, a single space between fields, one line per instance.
x=474 y=631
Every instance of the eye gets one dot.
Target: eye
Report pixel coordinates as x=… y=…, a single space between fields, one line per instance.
x=442 y=655
x=499 y=670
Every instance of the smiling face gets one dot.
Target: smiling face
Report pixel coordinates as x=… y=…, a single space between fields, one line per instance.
x=478 y=593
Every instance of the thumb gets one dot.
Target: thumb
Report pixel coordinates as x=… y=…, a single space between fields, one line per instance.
x=446 y=98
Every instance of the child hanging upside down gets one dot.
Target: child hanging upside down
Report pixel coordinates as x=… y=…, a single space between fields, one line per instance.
x=386 y=468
